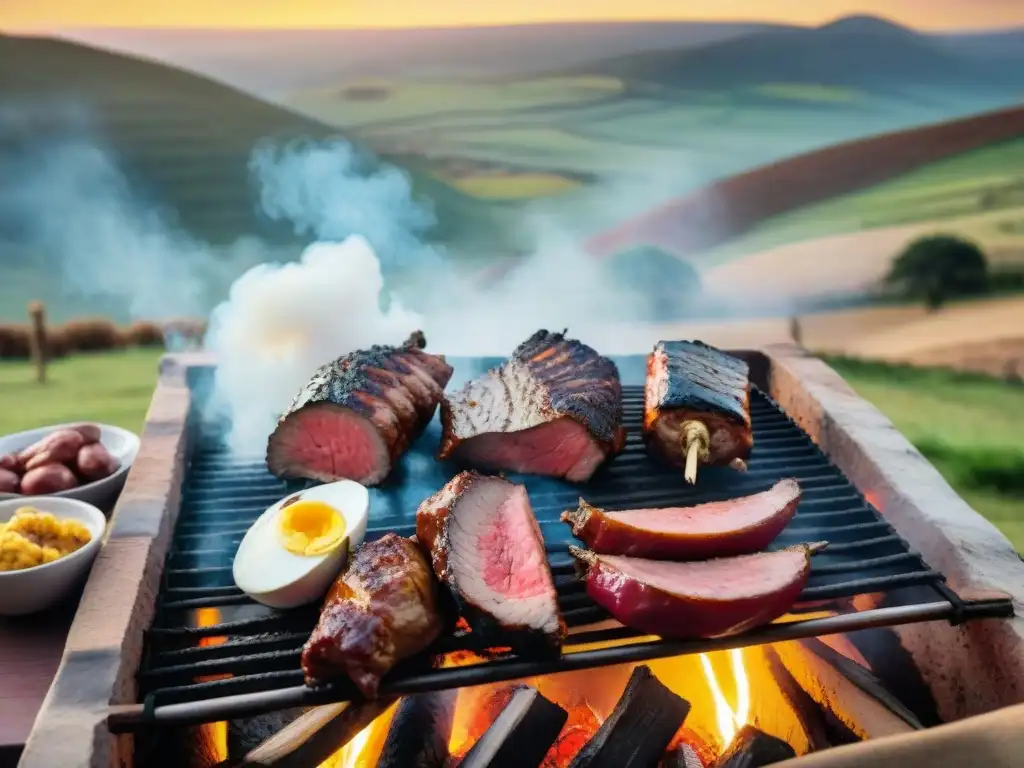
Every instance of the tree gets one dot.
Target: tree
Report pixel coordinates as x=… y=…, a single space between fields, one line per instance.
x=658 y=284
x=937 y=268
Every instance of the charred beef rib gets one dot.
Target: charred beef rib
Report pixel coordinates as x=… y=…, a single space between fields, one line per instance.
x=554 y=408
x=383 y=608
x=486 y=546
x=357 y=415
x=697 y=406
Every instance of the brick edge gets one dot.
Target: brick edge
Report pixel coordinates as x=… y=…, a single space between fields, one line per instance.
x=104 y=645
x=973 y=668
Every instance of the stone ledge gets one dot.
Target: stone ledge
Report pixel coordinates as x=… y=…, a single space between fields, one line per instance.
x=971 y=669
x=104 y=646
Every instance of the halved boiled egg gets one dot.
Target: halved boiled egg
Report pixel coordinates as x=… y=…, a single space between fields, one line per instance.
x=295 y=549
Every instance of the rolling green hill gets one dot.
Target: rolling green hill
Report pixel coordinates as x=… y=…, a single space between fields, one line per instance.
x=183 y=138
x=979 y=194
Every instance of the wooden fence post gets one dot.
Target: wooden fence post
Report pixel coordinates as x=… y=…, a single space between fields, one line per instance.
x=37 y=339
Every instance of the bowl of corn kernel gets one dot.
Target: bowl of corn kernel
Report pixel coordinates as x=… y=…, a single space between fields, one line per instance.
x=47 y=544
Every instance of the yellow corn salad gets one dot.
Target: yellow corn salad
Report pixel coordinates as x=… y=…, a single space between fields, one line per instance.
x=33 y=538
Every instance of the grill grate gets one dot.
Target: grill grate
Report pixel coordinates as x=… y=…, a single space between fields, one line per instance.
x=213 y=654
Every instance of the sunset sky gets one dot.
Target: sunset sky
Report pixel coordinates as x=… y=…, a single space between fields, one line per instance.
x=37 y=15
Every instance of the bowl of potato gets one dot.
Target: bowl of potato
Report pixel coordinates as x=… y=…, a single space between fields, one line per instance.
x=83 y=461
x=47 y=546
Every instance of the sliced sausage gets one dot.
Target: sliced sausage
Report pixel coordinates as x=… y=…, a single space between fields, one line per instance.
x=95 y=462
x=62 y=447
x=51 y=478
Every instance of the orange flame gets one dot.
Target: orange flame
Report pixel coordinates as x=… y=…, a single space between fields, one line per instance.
x=217 y=732
x=727 y=719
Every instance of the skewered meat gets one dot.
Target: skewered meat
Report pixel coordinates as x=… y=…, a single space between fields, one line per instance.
x=715 y=529
x=554 y=408
x=710 y=598
x=359 y=414
x=697 y=406
x=383 y=608
x=487 y=548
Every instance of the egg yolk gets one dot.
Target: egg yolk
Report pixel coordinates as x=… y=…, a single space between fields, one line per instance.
x=310 y=528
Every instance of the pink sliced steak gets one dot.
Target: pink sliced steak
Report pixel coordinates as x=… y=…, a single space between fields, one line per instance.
x=554 y=408
x=486 y=547
x=357 y=415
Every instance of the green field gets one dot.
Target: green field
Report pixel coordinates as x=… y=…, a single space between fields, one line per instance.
x=979 y=194
x=969 y=426
x=638 y=143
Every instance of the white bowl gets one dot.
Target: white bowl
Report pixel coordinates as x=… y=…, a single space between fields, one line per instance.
x=38 y=588
x=122 y=444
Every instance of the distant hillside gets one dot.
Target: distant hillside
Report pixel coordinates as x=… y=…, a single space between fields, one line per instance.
x=854 y=52
x=1004 y=44
x=277 y=61
x=732 y=206
x=184 y=139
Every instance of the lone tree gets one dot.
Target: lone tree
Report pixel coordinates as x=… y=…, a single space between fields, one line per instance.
x=937 y=268
x=661 y=286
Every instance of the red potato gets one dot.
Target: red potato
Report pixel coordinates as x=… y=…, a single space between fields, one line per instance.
x=90 y=432
x=9 y=482
x=11 y=463
x=51 y=478
x=704 y=599
x=61 y=447
x=94 y=462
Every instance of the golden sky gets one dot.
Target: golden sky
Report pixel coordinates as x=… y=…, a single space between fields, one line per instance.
x=922 y=14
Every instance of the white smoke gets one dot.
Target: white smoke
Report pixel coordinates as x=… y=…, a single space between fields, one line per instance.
x=282 y=321
x=95 y=237
x=282 y=318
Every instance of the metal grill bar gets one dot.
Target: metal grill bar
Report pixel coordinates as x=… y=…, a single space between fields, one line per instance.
x=258 y=649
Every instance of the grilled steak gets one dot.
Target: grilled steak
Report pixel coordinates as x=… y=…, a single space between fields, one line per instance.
x=357 y=415
x=383 y=608
x=695 y=391
x=486 y=546
x=554 y=408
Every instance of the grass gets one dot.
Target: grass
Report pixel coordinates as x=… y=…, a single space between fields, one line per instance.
x=113 y=388
x=968 y=426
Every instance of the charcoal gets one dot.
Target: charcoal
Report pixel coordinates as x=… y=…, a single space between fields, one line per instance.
x=522 y=734
x=684 y=756
x=246 y=734
x=420 y=731
x=753 y=748
x=639 y=729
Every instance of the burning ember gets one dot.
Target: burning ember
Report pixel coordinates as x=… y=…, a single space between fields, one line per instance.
x=725 y=691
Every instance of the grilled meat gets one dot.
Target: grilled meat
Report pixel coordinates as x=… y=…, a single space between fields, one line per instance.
x=357 y=415
x=697 y=406
x=554 y=408
x=709 y=598
x=486 y=546
x=715 y=529
x=383 y=608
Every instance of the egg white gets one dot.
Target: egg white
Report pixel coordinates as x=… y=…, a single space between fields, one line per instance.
x=273 y=576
